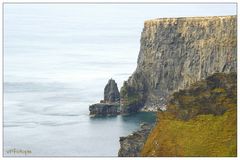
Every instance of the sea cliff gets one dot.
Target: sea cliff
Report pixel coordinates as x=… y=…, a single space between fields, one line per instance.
x=175 y=53
x=186 y=71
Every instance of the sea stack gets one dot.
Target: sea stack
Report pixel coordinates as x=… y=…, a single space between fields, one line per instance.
x=110 y=105
x=111 y=92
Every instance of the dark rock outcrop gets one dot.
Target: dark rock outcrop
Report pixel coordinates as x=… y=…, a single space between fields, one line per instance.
x=104 y=109
x=111 y=92
x=133 y=143
x=175 y=53
x=203 y=97
x=110 y=106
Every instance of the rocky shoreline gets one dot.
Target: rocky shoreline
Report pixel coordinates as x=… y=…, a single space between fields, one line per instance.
x=131 y=145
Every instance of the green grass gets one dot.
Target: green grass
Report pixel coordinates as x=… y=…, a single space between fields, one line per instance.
x=205 y=135
x=201 y=121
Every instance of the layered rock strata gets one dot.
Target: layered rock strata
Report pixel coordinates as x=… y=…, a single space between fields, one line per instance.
x=175 y=53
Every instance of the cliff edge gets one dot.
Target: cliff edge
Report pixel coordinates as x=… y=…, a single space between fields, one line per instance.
x=175 y=53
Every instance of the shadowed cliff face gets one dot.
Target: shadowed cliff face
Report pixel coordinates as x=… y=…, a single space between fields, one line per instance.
x=175 y=53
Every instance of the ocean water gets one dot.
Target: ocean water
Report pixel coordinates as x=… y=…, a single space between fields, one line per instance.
x=57 y=60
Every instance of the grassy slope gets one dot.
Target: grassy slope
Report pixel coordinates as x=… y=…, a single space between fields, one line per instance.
x=200 y=121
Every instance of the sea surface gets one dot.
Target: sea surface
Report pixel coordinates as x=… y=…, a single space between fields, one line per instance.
x=57 y=60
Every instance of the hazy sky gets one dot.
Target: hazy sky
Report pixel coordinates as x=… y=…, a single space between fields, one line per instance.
x=59 y=36
x=164 y=10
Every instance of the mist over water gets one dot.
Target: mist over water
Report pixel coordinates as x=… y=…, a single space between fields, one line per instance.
x=57 y=60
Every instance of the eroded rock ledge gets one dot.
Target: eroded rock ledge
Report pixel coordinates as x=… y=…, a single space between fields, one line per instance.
x=104 y=109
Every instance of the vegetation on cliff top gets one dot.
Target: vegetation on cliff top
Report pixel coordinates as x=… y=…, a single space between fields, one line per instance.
x=200 y=121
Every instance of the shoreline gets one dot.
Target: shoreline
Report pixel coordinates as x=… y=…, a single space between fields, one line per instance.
x=132 y=144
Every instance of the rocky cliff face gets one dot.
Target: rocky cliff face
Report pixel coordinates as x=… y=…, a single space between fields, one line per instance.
x=175 y=53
